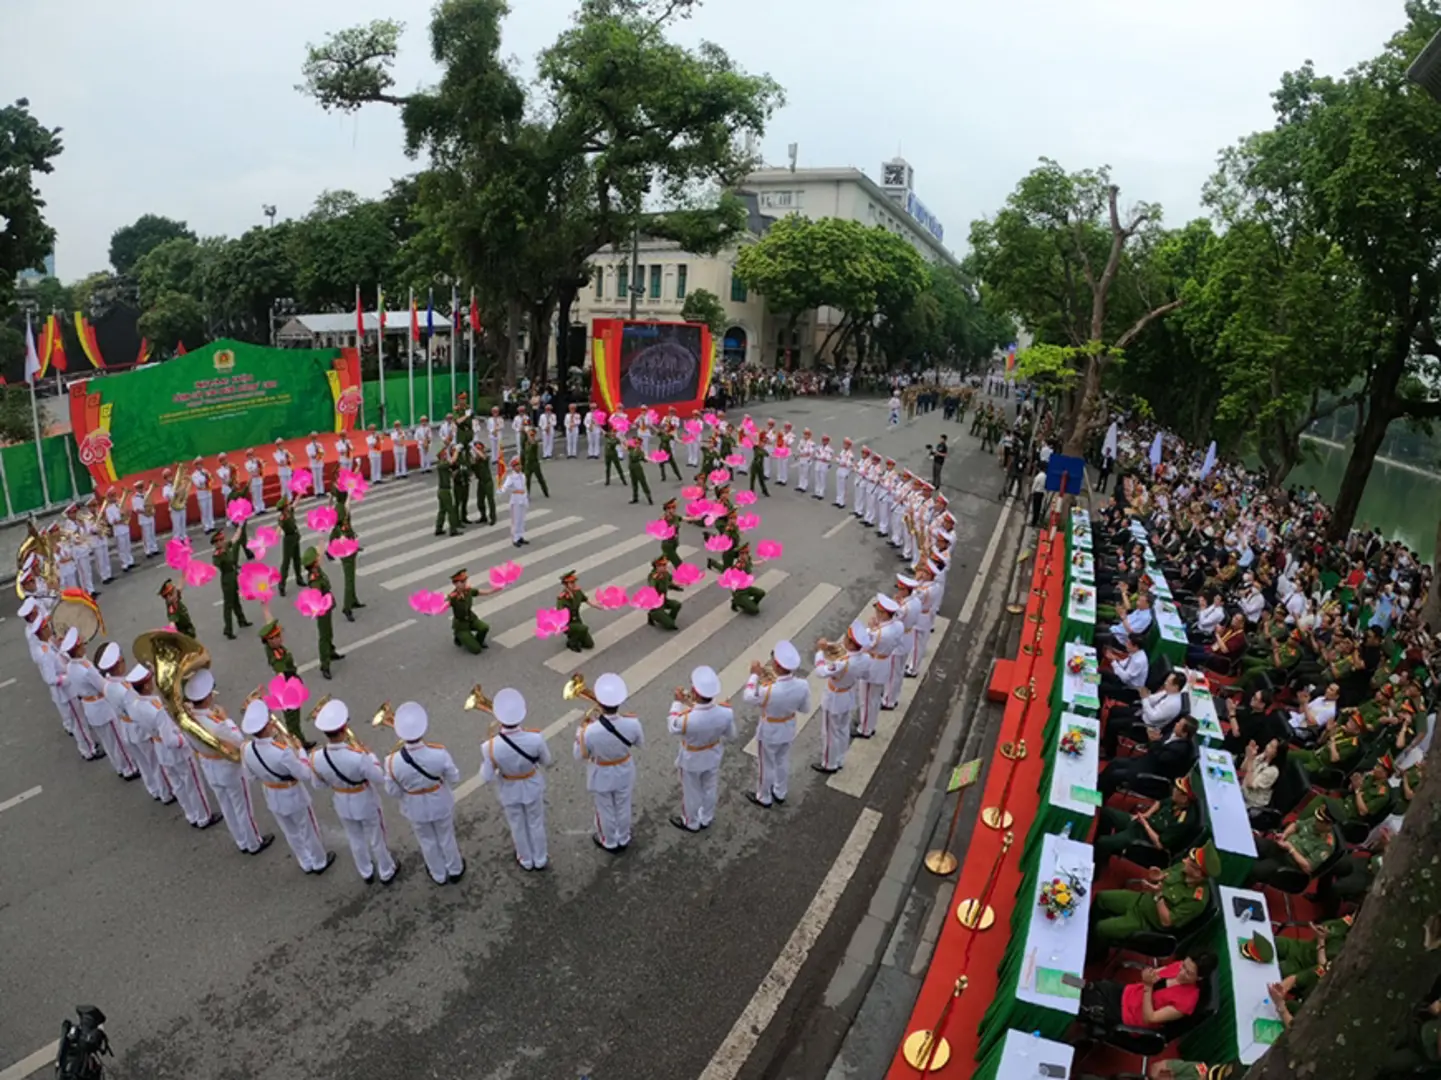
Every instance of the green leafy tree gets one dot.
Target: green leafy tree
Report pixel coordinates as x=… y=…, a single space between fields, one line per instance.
x=27 y=149
x=17 y=423
x=704 y=306
x=343 y=242
x=171 y=280
x=242 y=279
x=131 y=243
x=46 y=295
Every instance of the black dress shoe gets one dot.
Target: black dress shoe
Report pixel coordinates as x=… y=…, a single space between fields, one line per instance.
x=245 y=622
x=679 y=823
x=127 y=777
x=456 y=877
x=336 y=656
x=324 y=673
x=358 y=604
x=822 y=769
x=265 y=842
x=329 y=858
x=230 y=636
x=779 y=800
x=369 y=880
x=348 y=616
x=751 y=795
x=167 y=802
x=213 y=819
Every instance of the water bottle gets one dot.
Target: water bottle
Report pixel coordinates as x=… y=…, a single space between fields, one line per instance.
x=1066 y=832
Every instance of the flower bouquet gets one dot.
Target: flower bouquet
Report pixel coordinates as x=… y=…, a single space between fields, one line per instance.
x=1058 y=899
x=1073 y=742
x=1081 y=595
x=1076 y=664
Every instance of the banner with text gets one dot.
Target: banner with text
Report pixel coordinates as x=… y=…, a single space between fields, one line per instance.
x=227 y=395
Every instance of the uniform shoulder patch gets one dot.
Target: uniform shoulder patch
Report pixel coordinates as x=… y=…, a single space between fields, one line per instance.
x=436 y=745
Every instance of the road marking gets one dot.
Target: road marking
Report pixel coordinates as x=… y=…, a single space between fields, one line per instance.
x=758 y=1014
x=42 y=1058
x=838 y=526
x=518 y=593
x=865 y=755
x=430 y=547
x=973 y=596
x=7 y=682
x=433 y=571
x=24 y=796
x=828 y=419
x=348 y=649
x=415 y=505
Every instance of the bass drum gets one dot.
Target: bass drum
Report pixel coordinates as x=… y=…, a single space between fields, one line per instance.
x=77 y=608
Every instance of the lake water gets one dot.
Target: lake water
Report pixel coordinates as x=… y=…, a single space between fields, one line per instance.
x=1403 y=503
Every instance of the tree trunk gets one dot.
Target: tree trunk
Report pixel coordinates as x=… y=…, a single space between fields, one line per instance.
x=1431 y=613
x=1369 y=437
x=1364 y=1004
x=512 y=339
x=568 y=294
x=1288 y=452
x=538 y=359
x=1078 y=429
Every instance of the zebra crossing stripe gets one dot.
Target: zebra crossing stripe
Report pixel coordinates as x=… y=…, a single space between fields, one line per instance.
x=437 y=573
x=412 y=503
x=545 y=583
x=418 y=549
x=350 y=647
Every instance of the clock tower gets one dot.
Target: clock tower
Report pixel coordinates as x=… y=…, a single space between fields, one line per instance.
x=897 y=179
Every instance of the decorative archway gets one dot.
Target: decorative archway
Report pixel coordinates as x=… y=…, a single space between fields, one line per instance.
x=733 y=347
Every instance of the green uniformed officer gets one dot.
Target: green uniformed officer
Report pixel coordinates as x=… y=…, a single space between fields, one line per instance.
x=663 y=582
x=671 y=548
x=1176 y=1069
x=445 y=513
x=1164 y=824
x=1305 y=844
x=176 y=612
x=577 y=634
x=316 y=578
x=758 y=457
x=466 y=627
x=530 y=462
x=345 y=530
x=612 y=458
x=283 y=663
x=460 y=482
x=1340 y=747
x=464 y=420
x=1304 y=960
x=667 y=439
x=228 y=551
x=747 y=600
x=1369 y=797
x=635 y=460
x=1170 y=900
x=289 y=542
x=480 y=467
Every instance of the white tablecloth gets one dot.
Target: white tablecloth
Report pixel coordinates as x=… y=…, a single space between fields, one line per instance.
x=1139 y=531
x=1083 y=567
x=1203 y=708
x=1023 y=1054
x=1082 y=609
x=1170 y=623
x=1250 y=995
x=1083 y=690
x=1059 y=945
x=1079 y=771
x=1230 y=827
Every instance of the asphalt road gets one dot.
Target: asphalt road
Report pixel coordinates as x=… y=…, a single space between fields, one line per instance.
x=212 y=964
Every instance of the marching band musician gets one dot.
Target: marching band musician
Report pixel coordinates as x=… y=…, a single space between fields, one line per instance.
x=515 y=758
x=865 y=487
x=204 y=499
x=398 y=452
x=704 y=726
x=354 y=776
x=547 y=423
x=888 y=636
x=167 y=492
x=284 y=465
x=495 y=431
x=786 y=439
x=420 y=775
x=605 y=742
x=282 y=772
x=172 y=752
x=844 y=678
x=422 y=443
x=447 y=430
x=572 y=431
x=119 y=523
x=519 y=426
x=845 y=462
x=142 y=511
x=780 y=703
x=372 y=446
x=315 y=456
x=807 y=456
x=53 y=665
x=135 y=740
x=225 y=477
x=256 y=472
x=926 y=593
x=514 y=486
x=822 y=467
x=226 y=778
x=86 y=687
x=910 y=618
x=344 y=453
x=593 y=435
x=97 y=530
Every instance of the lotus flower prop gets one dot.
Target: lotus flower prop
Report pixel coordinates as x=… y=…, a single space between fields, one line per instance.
x=719 y=477
x=507 y=573
x=322 y=519
x=239 y=511
x=745 y=498
x=551 y=621
x=747 y=442
x=631 y=444
x=691 y=492
x=312 y=603
x=661 y=530
x=198 y=573
x=170 y=626
x=719 y=543
x=660 y=457
x=264 y=539
x=342 y=547
x=694 y=427
x=646 y=599
x=600 y=415
x=426 y=602
x=690 y=440
x=697 y=508
x=300 y=482
x=178 y=553
x=285 y=692
x=781 y=452
x=769 y=549
x=747 y=522
x=709 y=418
x=652 y=417
x=734 y=579
x=735 y=461
x=352 y=483
x=610 y=597
x=688 y=574
x=620 y=422
x=258 y=581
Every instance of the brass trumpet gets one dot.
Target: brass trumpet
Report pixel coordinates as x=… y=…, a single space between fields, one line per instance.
x=686 y=695
x=476 y=701
x=384 y=716
x=575 y=687
x=833 y=650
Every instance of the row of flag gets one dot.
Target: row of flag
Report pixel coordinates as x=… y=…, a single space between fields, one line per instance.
x=457 y=315
x=49 y=352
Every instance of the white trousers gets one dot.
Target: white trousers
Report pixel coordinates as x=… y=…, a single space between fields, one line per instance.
x=75 y=724
x=773 y=771
x=870 y=710
x=102 y=556
x=374 y=466
x=143 y=755
x=698 y=792
x=822 y=469
x=369 y=847
x=835 y=737
x=234 y=800
x=206 y=499
x=402 y=466
x=122 y=546
x=612 y=816
x=184 y=781
x=147 y=535
x=527 y=830
x=592 y=443
x=783 y=470
x=426 y=464
x=177 y=522
x=517 y=520
x=109 y=739
x=317 y=477
x=495 y=448
x=898 y=673
x=84 y=572
x=257 y=493
x=918 y=650
x=547 y=443
x=572 y=442
x=438 y=847
x=692 y=455
x=302 y=833
x=285 y=481
x=803 y=476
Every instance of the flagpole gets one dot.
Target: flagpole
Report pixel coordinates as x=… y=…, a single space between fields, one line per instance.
x=453 y=313
x=69 y=459
x=410 y=351
x=380 y=351
x=429 y=364
x=35 y=409
x=470 y=378
x=360 y=351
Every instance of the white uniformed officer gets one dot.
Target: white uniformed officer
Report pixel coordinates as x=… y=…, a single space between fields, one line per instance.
x=136 y=740
x=929 y=597
x=283 y=465
x=910 y=619
x=171 y=749
x=420 y=774
x=704 y=726
x=606 y=742
x=354 y=777
x=572 y=432
x=86 y=687
x=844 y=679
x=283 y=773
x=780 y=703
x=54 y=666
x=226 y=777
x=256 y=471
x=888 y=637
x=315 y=456
x=514 y=759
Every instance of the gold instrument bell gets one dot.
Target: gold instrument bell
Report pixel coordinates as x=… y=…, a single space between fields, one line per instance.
x=384 y=716
x=476 y=701
x=174 y=657
x=832 y=650
x=575 y=687
x=768 y=673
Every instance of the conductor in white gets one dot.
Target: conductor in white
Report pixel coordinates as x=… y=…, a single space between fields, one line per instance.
x=605 y=742
x=354 y=777
x=514 y=759
x=780 y=702
x=283 y=774
x=420 y=775
x=514 y=486
x=704 y=726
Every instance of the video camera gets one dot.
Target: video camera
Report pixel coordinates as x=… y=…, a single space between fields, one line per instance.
x=82 y=1045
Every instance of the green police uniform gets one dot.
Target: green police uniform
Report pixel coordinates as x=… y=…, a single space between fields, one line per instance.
x=1348 y=748
x=671 y=548
x=344 y=530
x=667 y=439
x=1118 y=830
x=1301 y=958
x=289 y=544
x=747 y=600
x=577 y=634
x=758 y=474
x=1122 y=913
x=445 y=513
x=612 y=458
x=530 y=464
x=228 y=563
x=324 y=624
x=484 y=486
x=282 y=663
x=460 y=484
x=638 y=482
x=1375 y=795
x=176 y=611
x=466 y=627
x=664 y=583
x=1314 y=839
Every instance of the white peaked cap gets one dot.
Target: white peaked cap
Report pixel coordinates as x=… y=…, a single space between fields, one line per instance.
x=139 y=673
x=705 y=682
x=333 y=716
x=68 y=641
x=887 y=603
x=786 y=655
x=257 y=715
x=509 y=707
x=28 y=564
x=610 y=690
x=199 y=686
x=906 y=581
x=109 y=657
x=862 y=634
x=28 y=607
x=411 y=721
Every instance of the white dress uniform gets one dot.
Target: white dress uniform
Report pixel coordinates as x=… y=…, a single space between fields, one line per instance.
x=593 y=435
x=781 y=704
x=770 y=438
x=120 y=525
x=692 y=452
x=845 y=461
x=204 y=499
x=177 y=517
x=606 y=744
x=844 y=680
x=420 y=775
x=53 y=667
x=572 y=434
x=446 y=431
x=806 y=458
x=422 y=442
x=79 y=544
x=283 y=776
x=398 y=451
x=873 y=490
x=227 y=779
x=355 y=778
x=514 y=486
x=494 y=432
x=100 y=546
x=888 y=638
x=225 y=477
x=518 y=426
x=255 y=471
x=927 y=594
x=87 y=689
x=138 y=747
x=822 y=469
x=515 y=760
x=703 y=729
x=910 y=619
x=547 y=424
x=344 y=454
x=283 y=468
x=315 y=456
x=783 y=464
x=172 y=753
x=372 y=444
x=146 y=513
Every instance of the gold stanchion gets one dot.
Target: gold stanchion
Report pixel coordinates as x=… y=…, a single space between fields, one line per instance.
x=940 y=861
x=1015 y=751
x=1035 y=617
x=996 y=818
x=1022 y=692
x=1015 y=609
x=927 y=1050
x=978 y=915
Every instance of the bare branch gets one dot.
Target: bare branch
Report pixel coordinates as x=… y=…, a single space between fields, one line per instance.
x=1145 y=321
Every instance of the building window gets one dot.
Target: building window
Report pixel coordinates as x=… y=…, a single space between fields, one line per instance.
x=622 y=282
x=680 y=273
x=738 y=290
x=600 y=282
x=640 y=279
x=655 y=281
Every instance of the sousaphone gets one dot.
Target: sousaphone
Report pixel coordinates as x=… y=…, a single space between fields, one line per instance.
x=174 y=657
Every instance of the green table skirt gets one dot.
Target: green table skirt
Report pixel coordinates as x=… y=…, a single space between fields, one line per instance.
x=1084 y=632
x=1235 y=869
x=1052 y=820
x=1215 y=1039
x=1175 y=651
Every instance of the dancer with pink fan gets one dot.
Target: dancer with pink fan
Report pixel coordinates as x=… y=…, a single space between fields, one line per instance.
x=571 y=598
x=466 y=627
x=662 y=582
x=227 y=554
x=282 y=662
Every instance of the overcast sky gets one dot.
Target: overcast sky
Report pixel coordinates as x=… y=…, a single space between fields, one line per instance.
x=187 y=108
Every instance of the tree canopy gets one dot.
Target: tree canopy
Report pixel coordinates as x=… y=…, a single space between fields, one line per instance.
x=27 y=148
x=133 y=242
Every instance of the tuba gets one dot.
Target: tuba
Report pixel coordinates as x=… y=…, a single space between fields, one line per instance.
x=174 y=657
x=180 y=489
